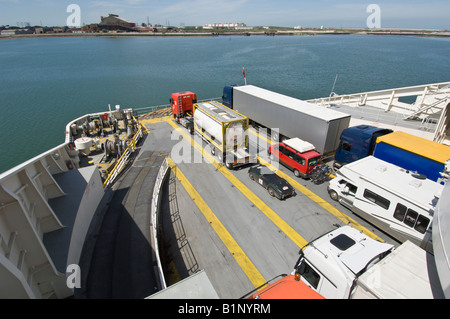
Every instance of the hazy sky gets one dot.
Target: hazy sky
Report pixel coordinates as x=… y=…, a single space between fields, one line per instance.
x=431 y=14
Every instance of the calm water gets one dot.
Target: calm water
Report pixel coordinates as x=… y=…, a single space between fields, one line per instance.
x=45 y=83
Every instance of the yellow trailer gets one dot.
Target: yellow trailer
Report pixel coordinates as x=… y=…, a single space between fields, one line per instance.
x=227 y=132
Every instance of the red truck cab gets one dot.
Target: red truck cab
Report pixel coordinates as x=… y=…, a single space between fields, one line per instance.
x=299 y=156
x=288 y=287
x=182 y=104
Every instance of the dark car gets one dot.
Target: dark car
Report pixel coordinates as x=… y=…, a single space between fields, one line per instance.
x=275 y=185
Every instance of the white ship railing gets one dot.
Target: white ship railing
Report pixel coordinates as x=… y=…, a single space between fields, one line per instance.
x=155 y=221
x=426 y=107
x=425 y=95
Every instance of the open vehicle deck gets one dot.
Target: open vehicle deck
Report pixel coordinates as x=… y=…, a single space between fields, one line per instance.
x=212 y=219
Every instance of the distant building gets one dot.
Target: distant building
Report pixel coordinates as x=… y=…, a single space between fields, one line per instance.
x=110 y=23
x=233 y=26
x=144 y=29
x=114 y=22
x=90 y=28
x=8 y=32
x=16 y=31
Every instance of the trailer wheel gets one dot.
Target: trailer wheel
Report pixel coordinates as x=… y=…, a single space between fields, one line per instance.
x=334 y=196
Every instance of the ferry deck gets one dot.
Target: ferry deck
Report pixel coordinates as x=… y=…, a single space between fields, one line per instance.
x=173 y=218
x=211 y=219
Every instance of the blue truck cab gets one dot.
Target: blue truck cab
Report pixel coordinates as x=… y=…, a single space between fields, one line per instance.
x=227 y=97
x=357 y=142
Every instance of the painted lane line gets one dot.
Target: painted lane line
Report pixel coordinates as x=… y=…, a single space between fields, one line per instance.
x=236 y=251
x=266 y=210
x=318 y=200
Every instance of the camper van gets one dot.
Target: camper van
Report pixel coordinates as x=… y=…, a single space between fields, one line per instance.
x=398 y=201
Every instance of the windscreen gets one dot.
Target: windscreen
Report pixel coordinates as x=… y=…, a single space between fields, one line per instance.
x=314 y=161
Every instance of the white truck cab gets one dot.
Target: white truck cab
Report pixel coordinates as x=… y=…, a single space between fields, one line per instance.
x=332 y=263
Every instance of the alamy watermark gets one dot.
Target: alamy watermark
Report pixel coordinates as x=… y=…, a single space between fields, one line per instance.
x=73 y=274
x=74 y=20
x=374 y=19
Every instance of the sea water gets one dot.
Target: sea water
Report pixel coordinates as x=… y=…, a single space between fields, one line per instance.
x=47 y=82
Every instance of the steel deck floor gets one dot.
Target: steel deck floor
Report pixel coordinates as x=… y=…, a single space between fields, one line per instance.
x=121 y=267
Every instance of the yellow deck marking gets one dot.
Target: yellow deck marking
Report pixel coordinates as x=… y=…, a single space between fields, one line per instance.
x=247 y=266
x=244 y=262
x=143 y=122
x=262 y=137
x=318 y=200
x=330 y=208
x=155 y=120
x=277 y=220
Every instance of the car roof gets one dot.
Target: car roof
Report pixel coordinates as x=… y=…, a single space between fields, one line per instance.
x=307 y=155
x=264 y=169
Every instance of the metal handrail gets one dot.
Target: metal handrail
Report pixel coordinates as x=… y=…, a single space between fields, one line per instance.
x=131 y=148
x=121 y=163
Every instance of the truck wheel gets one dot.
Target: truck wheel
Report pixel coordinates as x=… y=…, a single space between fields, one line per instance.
x=334 y=196
x=271 y=192
x=296 y=173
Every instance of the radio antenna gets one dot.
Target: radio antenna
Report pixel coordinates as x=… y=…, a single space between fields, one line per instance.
x=332 y=93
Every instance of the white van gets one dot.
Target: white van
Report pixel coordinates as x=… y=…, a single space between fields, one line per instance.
x=398 y=201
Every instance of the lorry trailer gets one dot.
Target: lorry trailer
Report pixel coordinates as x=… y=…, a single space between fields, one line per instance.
x=226 y=131
x=287 y=117
x=398 y=201
x=413 y=153
x=223 y=128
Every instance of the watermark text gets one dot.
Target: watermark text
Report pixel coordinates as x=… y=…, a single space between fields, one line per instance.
x=374 y=19
x=74 y=20
x=73 y=273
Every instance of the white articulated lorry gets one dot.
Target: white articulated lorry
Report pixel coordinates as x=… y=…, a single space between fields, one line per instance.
x=288 y=117
x=347 y=264
x=400 y=202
